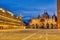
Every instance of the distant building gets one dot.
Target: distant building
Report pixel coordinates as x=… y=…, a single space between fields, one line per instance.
x=9 y=21
x=44 y=22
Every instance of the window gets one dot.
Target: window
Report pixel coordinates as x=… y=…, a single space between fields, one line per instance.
x=42 y=20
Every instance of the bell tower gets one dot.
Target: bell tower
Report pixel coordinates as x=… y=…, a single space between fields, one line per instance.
x=58 y=13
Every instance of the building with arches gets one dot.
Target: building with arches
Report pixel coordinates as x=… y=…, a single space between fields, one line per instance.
x=44 y=22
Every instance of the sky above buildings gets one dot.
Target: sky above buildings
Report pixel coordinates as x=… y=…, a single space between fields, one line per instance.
x=29 y=8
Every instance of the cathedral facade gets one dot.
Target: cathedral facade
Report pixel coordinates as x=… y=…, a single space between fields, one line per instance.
x=9 y=21
x=44 y=22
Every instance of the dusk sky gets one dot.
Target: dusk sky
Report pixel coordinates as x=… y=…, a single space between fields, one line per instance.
x=29 y=8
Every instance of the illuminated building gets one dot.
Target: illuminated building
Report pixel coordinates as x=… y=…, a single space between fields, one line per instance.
x=44 y=22
x=9 y=21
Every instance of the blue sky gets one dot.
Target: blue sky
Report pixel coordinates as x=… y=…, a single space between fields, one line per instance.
x=29 y=8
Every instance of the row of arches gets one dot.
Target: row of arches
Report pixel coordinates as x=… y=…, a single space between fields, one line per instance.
x=47 y=26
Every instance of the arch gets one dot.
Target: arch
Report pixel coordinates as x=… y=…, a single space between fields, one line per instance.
x=47 y=25
x=51 y=26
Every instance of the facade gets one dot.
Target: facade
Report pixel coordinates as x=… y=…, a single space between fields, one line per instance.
x=9 y=21
x=44 y=22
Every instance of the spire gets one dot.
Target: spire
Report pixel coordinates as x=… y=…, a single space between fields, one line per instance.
x=54 y=17
x=45 y=14
x=38 y=16
x=19 y=17
x=45 y=11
